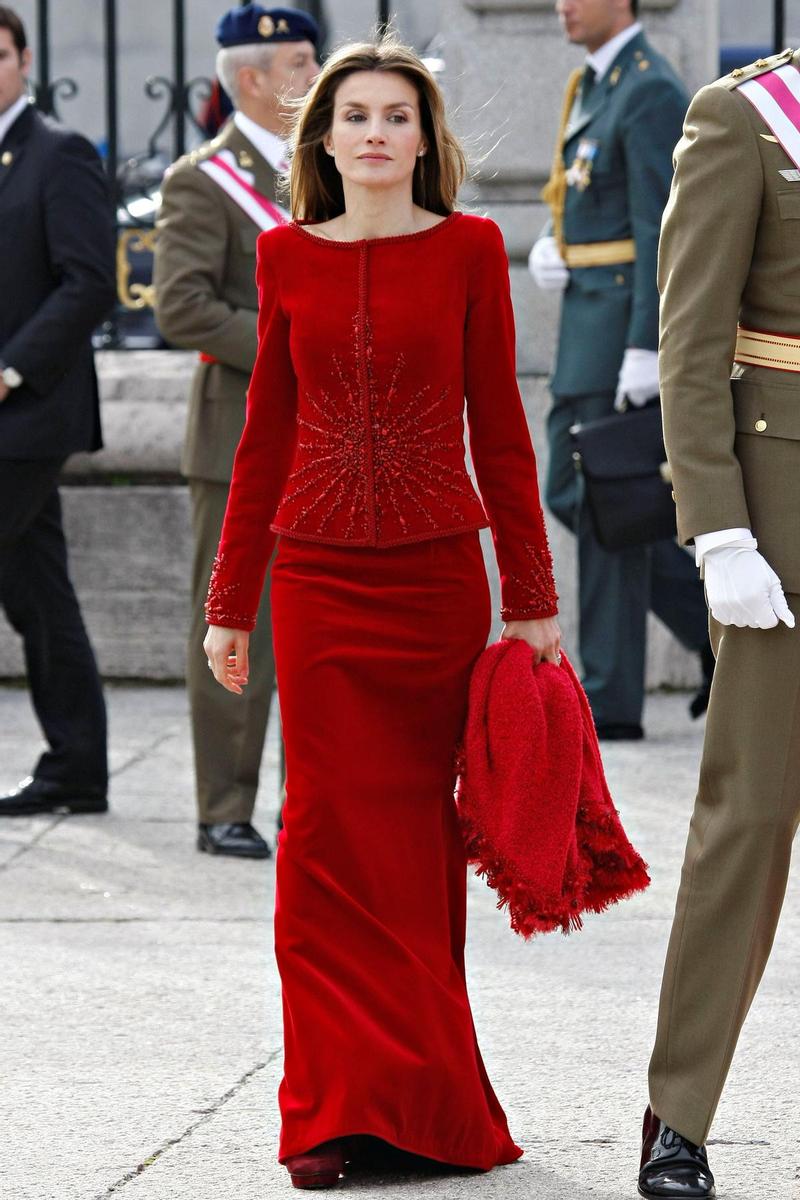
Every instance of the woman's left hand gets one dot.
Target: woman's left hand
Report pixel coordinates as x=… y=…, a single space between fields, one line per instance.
x=544 y=637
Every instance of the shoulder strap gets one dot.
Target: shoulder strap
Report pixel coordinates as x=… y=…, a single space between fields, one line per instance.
x=742 y=74
x=554 y=192
x=224 y=169
x=775 y=95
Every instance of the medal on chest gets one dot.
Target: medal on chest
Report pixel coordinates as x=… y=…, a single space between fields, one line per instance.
x=579 y=174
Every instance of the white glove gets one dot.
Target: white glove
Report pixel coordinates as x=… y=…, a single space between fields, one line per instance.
x=547 y=266
x=638 y=378
x=743 y=589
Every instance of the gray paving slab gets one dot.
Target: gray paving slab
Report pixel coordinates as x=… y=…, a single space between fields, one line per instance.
x=139 y=1004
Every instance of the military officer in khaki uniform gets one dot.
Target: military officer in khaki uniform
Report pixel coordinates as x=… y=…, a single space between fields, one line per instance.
x=729 y=273
x=216 y=202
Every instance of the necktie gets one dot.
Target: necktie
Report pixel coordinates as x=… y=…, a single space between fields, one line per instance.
x=587 y=84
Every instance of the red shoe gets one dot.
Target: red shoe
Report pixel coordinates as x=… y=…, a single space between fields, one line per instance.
x=318 y=1168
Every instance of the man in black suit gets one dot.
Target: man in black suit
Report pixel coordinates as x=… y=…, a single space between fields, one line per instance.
x=56 y=283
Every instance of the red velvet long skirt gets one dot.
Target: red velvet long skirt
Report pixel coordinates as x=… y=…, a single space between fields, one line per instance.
x=373 y=651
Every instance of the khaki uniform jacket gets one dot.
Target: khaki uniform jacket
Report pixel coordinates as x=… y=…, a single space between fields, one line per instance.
x=730 y=251
x=206 y=298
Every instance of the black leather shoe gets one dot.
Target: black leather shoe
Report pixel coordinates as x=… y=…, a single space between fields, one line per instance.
x=700 y=700
x=672 y=1167
x=617 y=732
x=238 y=839
x=33 y=795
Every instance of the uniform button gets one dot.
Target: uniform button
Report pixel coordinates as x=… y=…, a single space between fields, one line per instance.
x=619 y=279
x=761 y=425
x=673 y=498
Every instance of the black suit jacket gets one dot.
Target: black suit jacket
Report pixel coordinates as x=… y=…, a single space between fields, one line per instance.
x=57 y=282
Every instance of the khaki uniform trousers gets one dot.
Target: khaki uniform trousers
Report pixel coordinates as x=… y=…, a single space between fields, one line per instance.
x=735 y=871
x=228 y=731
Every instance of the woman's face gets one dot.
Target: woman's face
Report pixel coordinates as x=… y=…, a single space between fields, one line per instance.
x=376 y=136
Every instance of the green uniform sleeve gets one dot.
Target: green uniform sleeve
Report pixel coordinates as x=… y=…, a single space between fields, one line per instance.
x=191 y=253
x=651 y=128
x=709 y=232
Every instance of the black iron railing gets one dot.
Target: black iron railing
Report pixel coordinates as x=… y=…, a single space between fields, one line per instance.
x=180 y=96
x=778 y=24
x=135 y=179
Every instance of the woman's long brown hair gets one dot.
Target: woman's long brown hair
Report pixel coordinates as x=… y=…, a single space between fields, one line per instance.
x=315 y=184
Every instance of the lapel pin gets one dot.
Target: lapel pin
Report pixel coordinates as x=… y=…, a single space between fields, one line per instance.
x=7 y=158
x=245 y=160
x=613 y=78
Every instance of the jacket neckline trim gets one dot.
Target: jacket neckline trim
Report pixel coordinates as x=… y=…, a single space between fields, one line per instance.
x=300 y=227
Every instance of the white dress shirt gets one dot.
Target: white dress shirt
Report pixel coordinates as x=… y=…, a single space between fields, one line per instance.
x=602 y=59
x=8 y=118
x=268 y=144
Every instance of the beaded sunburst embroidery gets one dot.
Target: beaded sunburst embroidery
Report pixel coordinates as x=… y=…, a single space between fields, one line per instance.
x=221 y=596
x=367 y=432
x=535 y=595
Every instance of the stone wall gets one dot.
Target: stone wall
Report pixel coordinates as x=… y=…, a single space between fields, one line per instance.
x=127 y=520
x=126 y=509
x=507 y=66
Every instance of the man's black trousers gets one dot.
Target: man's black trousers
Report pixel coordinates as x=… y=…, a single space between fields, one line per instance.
x=39 y=601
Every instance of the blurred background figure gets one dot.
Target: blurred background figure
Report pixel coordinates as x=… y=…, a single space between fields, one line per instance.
x=57 y=281
x=216 y=201
x=622 y=117
x=216 y=110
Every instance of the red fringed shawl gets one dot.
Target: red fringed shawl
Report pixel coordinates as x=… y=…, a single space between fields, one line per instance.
x=537 y=814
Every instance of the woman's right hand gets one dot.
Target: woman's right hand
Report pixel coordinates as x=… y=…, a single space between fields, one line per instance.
x=227 y=654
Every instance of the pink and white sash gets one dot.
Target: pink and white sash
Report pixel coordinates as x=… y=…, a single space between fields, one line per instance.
x=775 y=95
x=224 y=169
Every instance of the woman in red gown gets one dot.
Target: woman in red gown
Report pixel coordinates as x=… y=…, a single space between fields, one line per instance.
x=381 y=309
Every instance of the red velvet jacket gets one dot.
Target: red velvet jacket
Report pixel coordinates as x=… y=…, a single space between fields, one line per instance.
x=354 y=431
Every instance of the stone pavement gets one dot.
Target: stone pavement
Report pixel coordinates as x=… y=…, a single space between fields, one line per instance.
x=140 y=1035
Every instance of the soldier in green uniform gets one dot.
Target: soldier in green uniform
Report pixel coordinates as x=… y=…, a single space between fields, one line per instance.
x=622 y=117
x=216 y=202
x=729 y=271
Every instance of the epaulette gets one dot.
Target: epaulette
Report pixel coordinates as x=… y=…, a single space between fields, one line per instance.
x=641 y=60
x=195 y=157
x=207 y=150
x=760 y=67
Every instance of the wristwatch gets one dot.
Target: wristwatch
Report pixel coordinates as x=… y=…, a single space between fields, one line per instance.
x=10 y=376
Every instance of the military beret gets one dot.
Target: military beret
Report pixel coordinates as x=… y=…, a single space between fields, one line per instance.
x=252 y=25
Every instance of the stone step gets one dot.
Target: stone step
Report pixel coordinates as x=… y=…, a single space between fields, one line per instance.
x=126 y=513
